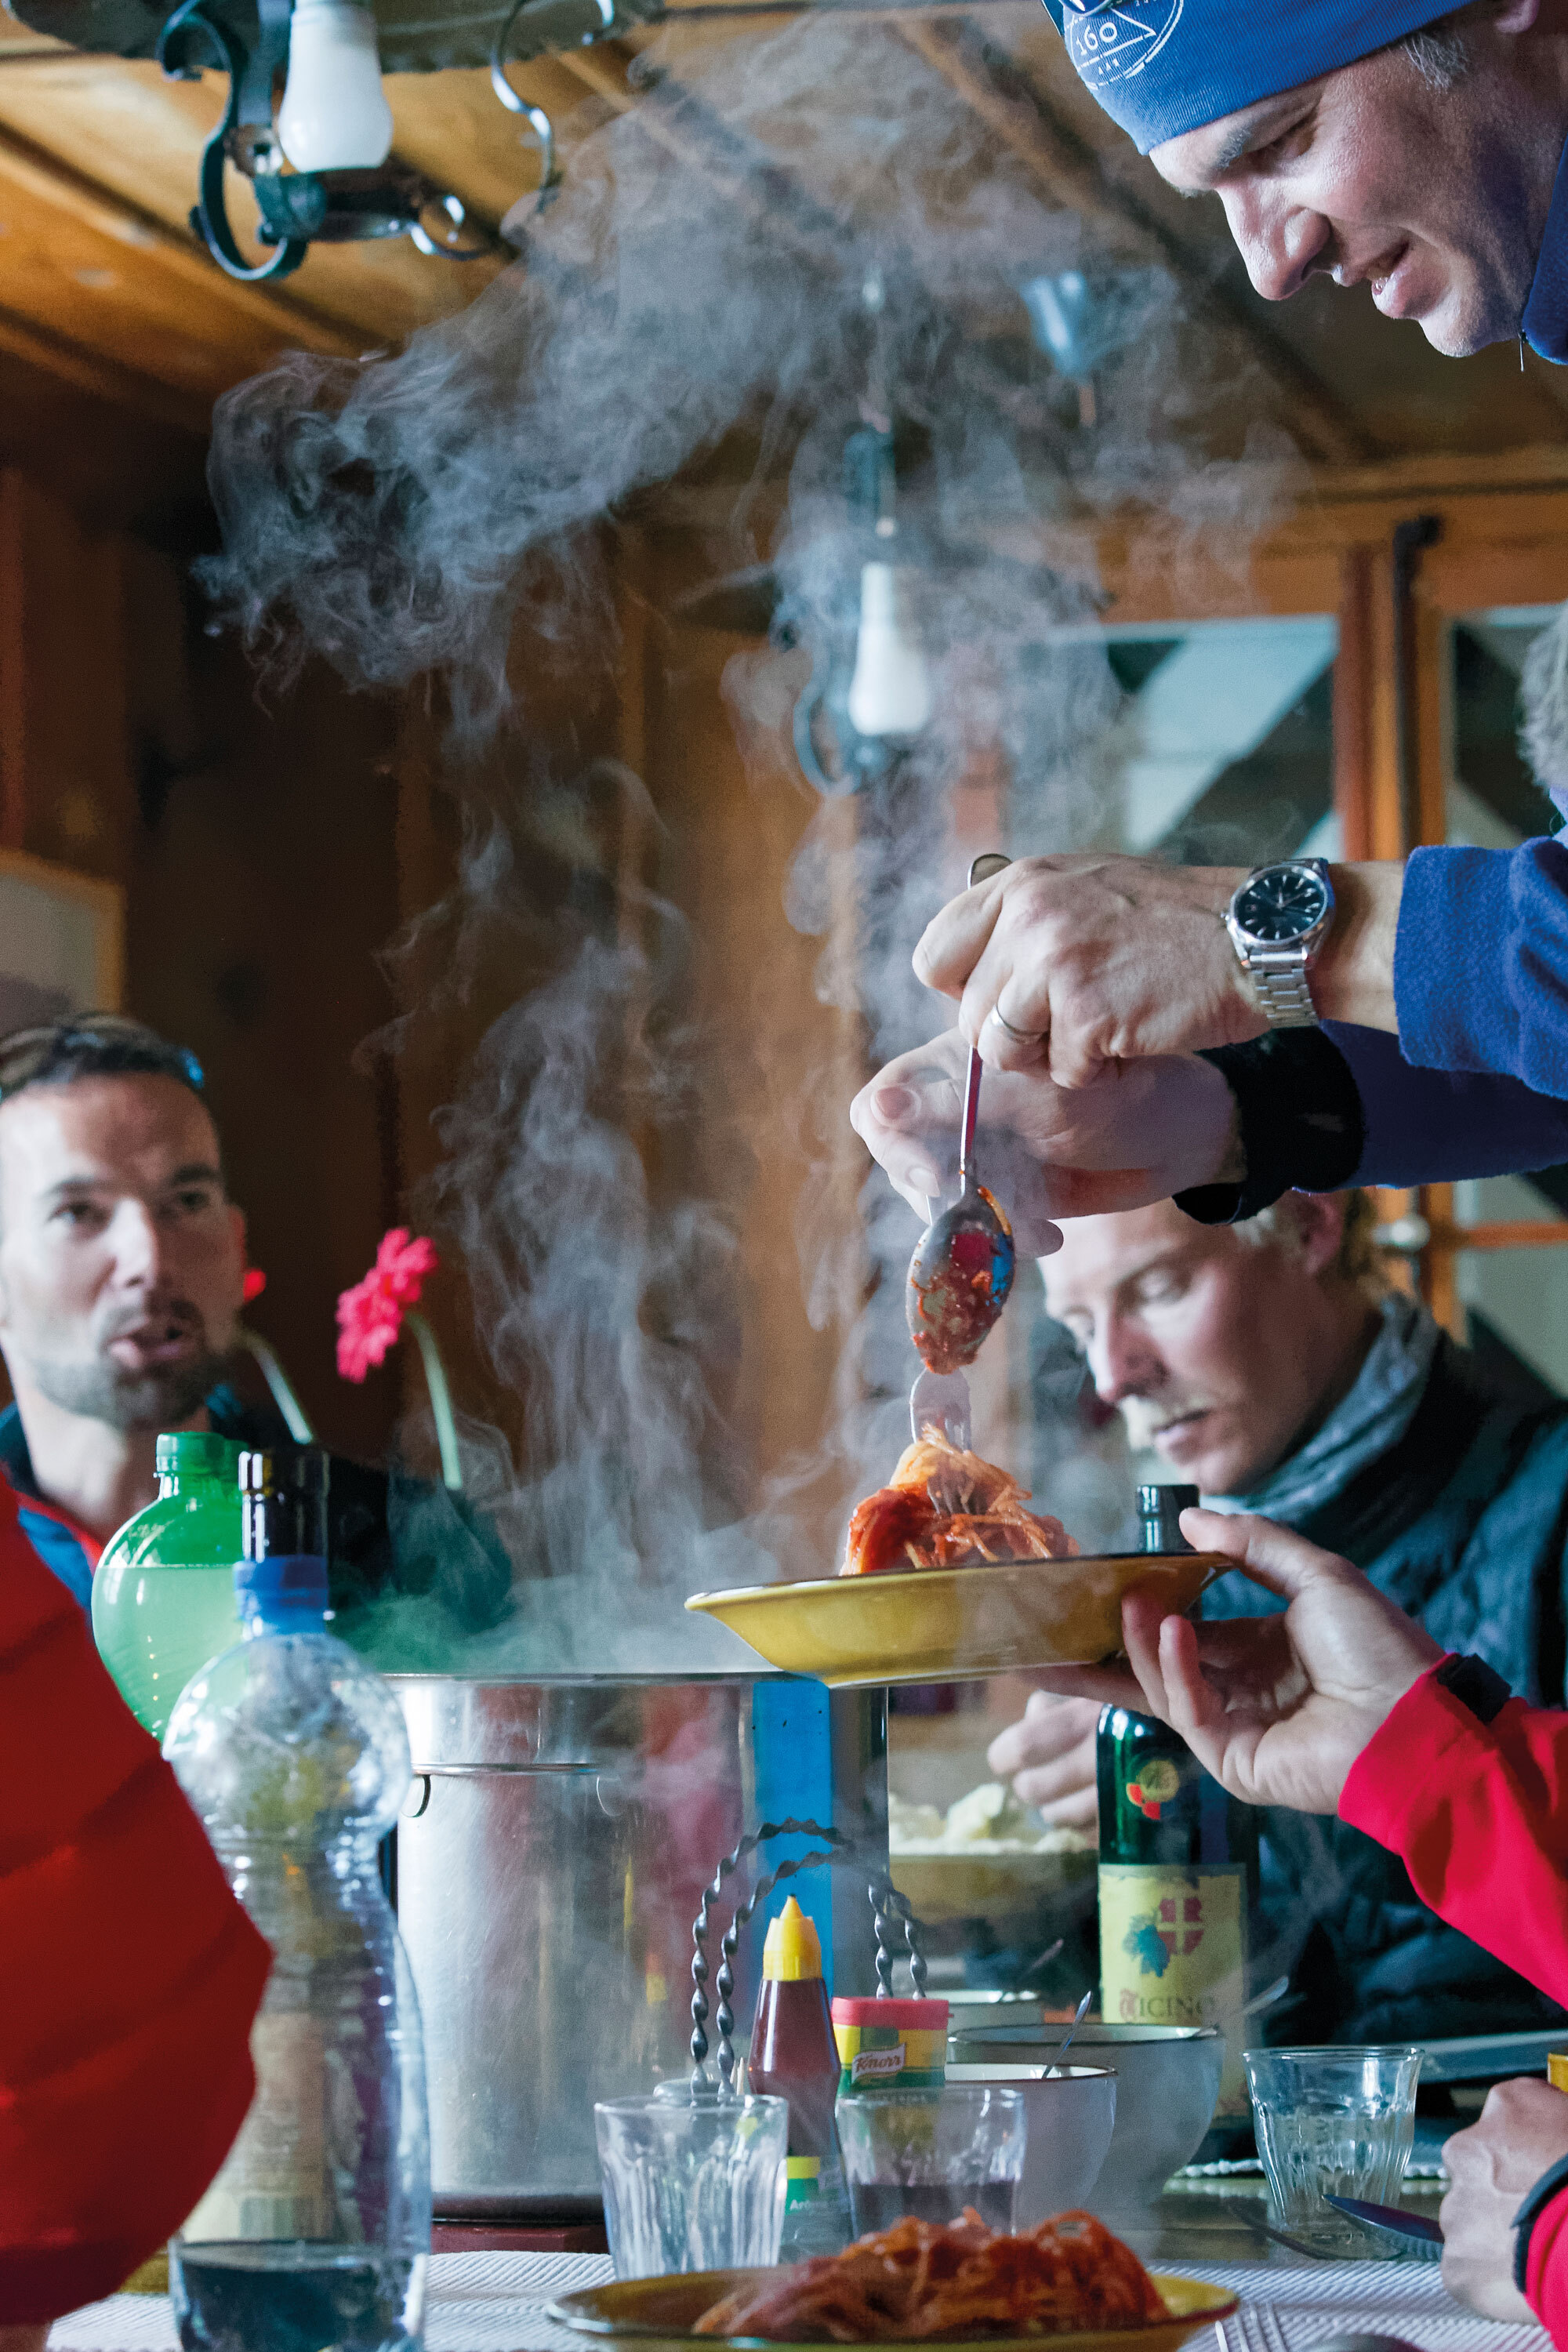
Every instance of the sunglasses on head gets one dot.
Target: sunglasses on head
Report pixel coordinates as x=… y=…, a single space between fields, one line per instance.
x=26 y=1055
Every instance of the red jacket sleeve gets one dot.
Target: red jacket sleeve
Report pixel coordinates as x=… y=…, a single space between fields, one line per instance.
x=1546 y=2273
x=1478 y=1814
x=129 y=1974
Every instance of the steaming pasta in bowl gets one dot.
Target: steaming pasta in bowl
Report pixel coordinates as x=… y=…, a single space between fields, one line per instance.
x=942 y=1624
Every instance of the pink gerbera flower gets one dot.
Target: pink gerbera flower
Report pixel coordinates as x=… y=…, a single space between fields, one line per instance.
x=402 y=1265
x=370 y=1313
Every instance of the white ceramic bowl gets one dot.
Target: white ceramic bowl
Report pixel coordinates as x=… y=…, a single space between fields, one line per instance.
x=1070 y=2117
x=1167 y=2083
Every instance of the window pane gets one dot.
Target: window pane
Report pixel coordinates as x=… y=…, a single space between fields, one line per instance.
x=1516 y=1300
x=1223 y=752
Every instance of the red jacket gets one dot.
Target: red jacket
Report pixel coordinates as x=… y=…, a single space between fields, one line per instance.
x=129 y=1975
x=1478 y=1812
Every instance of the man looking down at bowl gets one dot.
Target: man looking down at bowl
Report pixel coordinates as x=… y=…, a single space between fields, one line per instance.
x=1273 y=1364
x=1338 y=1702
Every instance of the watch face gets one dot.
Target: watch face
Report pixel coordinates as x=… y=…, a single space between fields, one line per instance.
x=1281 y=904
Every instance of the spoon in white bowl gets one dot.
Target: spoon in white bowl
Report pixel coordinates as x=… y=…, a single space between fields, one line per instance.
x=1081 y=2014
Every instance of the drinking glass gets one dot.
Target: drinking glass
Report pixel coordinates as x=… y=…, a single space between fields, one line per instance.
x=931 y=2153
x=1332 y=2123
x=693 y=2181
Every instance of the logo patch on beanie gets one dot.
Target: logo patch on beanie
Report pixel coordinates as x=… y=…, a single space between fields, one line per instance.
x=1117 y=43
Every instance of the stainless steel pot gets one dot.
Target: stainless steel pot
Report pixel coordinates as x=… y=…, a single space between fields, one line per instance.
x=550 y=1863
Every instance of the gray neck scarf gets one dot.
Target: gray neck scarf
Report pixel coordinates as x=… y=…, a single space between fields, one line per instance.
x=1370 y=1418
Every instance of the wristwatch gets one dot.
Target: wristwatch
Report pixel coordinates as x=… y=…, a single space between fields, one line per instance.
x=1277 y=921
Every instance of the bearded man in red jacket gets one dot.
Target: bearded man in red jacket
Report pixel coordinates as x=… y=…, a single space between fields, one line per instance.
x=129 y=1975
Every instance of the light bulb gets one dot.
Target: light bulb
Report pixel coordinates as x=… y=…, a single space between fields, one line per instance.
x=334 y=116
x=890 y=693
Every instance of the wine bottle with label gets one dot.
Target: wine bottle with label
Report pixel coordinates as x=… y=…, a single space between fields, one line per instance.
x=1178 y=1869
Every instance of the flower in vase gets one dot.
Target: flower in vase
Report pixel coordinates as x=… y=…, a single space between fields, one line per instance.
x=402 y=1265
x=371 y=1312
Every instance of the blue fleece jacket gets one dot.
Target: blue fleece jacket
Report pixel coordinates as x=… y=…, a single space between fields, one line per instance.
x=1436 y=1126
x=1480 y=964
x=1476 y=1083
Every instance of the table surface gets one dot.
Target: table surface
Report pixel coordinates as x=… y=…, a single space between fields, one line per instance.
x=497 y=2302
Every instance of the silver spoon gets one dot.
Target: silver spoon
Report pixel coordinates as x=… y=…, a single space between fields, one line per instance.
x=1079 y=2016
x=1264 y=2000
x=962 y=1269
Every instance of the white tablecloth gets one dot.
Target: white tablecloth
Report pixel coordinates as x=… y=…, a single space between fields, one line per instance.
x=496 y=2303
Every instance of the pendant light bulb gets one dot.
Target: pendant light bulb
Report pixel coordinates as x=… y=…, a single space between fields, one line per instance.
x=334 y=116
x=890 y=693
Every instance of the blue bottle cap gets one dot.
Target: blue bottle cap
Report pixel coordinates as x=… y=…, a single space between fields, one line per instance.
x=285 y=1593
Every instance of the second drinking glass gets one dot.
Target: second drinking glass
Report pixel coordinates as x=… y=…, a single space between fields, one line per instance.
x=1333 y=2122
x=931 y=2156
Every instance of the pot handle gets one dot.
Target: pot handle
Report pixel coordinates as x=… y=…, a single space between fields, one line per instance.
x=889 y=1910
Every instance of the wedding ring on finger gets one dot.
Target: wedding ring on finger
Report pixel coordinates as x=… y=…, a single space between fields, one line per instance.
x=1019 y=1036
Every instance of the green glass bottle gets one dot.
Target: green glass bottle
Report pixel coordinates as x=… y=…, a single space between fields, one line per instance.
x=163 y=1595
x=1178 y=1866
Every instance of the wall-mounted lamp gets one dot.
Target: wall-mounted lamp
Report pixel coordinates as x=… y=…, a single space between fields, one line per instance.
x=334 y=127
x=1081 y=319
x=864 y=706
x=890 y=693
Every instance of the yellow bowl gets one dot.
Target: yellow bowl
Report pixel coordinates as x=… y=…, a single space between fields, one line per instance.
x=944 y=1624
x=659 y=2313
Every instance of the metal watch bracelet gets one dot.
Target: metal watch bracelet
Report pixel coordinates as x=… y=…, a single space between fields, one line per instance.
x=1281 y=978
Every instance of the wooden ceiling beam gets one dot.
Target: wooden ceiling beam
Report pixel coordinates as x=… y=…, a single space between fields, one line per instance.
x=43 y=177
x=606 y=69
x=688 y=128
x=89 y=370
x=1011 y=106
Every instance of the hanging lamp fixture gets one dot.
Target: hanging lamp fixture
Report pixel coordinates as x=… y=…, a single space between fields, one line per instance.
x=334 y=128
x=863 y=710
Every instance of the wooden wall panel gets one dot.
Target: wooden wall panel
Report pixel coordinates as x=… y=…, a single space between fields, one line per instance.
x=255 y=844
x=261 y=885
x=65 y=779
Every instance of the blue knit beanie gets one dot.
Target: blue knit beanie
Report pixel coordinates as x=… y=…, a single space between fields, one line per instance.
x=1160 y=68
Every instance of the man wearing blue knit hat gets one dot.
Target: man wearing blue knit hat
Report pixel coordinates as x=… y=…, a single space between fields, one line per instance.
x=1414 y=147
x=1395 y=1023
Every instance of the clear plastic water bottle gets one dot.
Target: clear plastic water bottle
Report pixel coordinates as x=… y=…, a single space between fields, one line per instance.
x=315 y=2235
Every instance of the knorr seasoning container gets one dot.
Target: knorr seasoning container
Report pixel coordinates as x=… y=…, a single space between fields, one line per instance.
x=891 y=2045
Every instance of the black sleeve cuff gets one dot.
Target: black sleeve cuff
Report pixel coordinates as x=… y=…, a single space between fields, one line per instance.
x=1476 y=1686
x=1301 y=1123
x=1530 y=2212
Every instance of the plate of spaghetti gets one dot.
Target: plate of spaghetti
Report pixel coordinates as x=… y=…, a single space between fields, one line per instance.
x=920 y=2283
x=946 y=1574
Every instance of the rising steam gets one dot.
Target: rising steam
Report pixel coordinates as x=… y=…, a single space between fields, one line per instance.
x=702 y=283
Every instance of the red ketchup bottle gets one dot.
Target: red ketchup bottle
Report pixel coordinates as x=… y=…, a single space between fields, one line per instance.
x=793 y=2056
